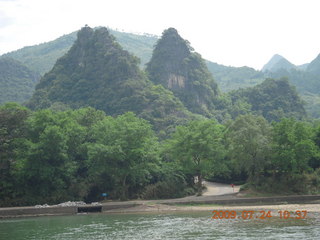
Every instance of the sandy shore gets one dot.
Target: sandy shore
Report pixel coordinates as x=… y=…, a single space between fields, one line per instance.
x=310 y=208
x=154 y=207
x=220 y=197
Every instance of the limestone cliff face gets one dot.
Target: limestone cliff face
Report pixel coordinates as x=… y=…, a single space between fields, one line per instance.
x=176 y=81
x=176 y=66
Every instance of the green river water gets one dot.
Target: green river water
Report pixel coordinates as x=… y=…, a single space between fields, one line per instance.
x=191 y=225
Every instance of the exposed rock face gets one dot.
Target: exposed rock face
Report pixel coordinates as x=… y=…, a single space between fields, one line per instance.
x=176 y=81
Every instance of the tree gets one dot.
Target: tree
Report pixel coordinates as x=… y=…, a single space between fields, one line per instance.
x=249 y=140
x=12 y=129
x=123 y=150
x=52 y=155
x=198 y=147
x=46 y=165
x=293 y=146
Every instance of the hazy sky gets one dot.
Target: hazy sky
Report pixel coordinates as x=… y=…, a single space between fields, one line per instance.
x=229 y=32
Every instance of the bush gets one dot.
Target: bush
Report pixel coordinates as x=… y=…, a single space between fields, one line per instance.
x=306 y=183
x=166 y=189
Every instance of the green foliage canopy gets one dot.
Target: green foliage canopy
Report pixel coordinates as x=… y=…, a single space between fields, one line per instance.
x=198 y=147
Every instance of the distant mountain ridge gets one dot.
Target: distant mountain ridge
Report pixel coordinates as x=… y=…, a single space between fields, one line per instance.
x=17 y=82
x=42 y=57
x=314 y=66
x=233 y=78
x=277 y=62
x=306 y=78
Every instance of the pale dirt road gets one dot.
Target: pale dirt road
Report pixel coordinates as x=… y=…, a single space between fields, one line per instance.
x=216 y=189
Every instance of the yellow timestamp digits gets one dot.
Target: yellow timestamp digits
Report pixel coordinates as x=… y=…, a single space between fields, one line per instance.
x=250 y=214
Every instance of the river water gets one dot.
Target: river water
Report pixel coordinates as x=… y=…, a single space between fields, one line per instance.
x=187 y=225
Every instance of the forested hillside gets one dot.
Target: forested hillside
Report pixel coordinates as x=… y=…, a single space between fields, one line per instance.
x=233 y=78
x=17 y=82
x=277 y=62
x=307 y=84
x=97 y=72
x=314 y=66
x=273 y=99
x=41 y=58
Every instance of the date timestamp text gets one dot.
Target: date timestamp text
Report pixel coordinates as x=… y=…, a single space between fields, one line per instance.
x=261 y=214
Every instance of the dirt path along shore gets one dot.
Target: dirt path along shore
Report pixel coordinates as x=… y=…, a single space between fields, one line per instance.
x=216 y=189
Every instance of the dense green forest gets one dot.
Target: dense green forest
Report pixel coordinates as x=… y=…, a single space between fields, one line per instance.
x=79 y=154
x=273 y=99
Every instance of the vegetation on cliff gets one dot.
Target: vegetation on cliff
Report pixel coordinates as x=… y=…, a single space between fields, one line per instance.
x=176 y=66
x=97 y=72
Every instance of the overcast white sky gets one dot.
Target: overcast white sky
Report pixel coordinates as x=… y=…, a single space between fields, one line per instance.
x=229 y=32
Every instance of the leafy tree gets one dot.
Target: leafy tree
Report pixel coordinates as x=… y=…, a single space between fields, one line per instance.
x=12 y=129
x=47 y=157
x=198 y=147
x=46 y=166
x=293 y=146
x=249 y=140
x=53 y=155
x=124 y=150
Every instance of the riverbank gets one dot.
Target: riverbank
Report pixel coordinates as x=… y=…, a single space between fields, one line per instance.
x=163 y=208
x=204 y=203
